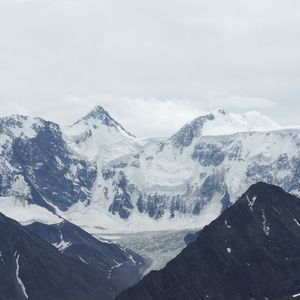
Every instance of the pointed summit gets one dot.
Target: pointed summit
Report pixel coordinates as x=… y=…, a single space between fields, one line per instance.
x=263 y=196
x=98 y=113
x=97 y=136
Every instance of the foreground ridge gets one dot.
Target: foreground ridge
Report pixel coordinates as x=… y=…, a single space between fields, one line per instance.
x=250 y=252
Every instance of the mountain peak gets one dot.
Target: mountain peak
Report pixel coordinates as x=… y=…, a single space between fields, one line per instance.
x=98 y=112
x=262 y=195
x=220 y=111
x=220 y=122
x=252 y=242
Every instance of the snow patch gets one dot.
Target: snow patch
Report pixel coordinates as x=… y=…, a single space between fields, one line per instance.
x=226 y=224
x=117 y=265
x=84 y=261
x=62 y=245
x=251 y=202
x=132 y=260
x=297 y=222
x=266 y=228
x=20 y=282
x=17 y=208
x=19 y=187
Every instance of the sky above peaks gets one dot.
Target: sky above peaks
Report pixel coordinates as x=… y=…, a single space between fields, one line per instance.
x=154 y=65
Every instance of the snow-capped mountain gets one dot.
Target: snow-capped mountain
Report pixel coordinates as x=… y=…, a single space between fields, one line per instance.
x=220 y=122
x=99 y=176
x=249 y=252
x=197 y=173
x=37 y=166
x=99 y=138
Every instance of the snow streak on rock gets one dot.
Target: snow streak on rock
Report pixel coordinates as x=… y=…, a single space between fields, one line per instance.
x=20 y=282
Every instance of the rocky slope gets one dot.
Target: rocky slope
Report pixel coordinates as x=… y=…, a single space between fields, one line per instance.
x=121 y=268
x=250 y=252
x=33 y=269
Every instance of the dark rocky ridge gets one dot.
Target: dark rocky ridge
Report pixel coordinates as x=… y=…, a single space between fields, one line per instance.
x=121 y=267
x=252 y=251
x=32 y=269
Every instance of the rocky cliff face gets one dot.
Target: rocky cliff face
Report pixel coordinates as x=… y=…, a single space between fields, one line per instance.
x=38 y=167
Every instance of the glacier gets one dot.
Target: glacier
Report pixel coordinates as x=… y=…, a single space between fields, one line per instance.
x=99 y=176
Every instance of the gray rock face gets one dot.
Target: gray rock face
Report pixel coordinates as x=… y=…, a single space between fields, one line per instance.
x=212 y=184
x=40 y=168
x=208 y=154
x=122 y=201
x=185 y=136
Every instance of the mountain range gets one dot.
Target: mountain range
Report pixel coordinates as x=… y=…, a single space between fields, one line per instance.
x=99 y=176
x=67 y=185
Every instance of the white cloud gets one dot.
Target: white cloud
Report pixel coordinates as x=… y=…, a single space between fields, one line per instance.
x=239 y=103
x=144 y=117
x=150 y=51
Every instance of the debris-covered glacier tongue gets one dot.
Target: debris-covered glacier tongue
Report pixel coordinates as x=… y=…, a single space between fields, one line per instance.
x=156 y=247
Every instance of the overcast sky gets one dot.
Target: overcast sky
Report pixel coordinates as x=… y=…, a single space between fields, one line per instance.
x=154 y=64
